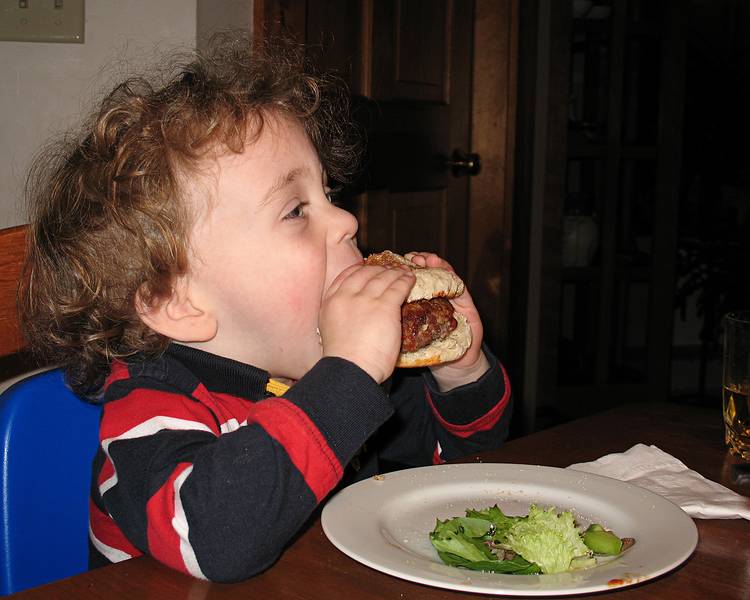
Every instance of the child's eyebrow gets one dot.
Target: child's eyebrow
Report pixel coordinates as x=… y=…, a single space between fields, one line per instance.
x=280 y=183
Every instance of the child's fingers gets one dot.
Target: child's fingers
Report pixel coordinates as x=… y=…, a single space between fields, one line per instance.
x=399 y=287
x=418 y=258
x=370 y=279
x=381 y=283
x=342 y=277
x=428 y=259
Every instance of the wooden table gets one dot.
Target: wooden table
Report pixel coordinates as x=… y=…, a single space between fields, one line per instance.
x=313 y=568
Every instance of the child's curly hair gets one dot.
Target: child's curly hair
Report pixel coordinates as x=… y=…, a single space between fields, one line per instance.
x=106 y=216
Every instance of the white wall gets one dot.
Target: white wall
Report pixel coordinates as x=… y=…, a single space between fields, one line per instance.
x=223 y=14
x=46 y=88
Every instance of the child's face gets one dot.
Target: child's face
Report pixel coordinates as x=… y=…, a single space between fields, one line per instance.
x=267 y=248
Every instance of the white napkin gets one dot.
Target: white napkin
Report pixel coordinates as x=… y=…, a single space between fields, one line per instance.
x=651 y=468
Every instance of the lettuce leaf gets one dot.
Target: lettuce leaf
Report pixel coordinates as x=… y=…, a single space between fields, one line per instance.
x=462 y=537
x=548 y=539
x=499 y=520
x=515 y=566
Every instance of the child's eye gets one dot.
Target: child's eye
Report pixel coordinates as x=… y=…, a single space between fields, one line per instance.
x=297 y=212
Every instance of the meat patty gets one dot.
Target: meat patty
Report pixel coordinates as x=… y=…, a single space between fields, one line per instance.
x=424 y=321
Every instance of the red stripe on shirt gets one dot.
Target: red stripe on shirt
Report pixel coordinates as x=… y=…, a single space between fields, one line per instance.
x=119 y=371
x=105 y=530
x=163 y=540
x=144 y=404
x=304 y=443
x=487 y=421
x=224 y=406
x=107 y=470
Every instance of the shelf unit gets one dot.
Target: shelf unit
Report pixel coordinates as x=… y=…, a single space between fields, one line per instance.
x=611 y=83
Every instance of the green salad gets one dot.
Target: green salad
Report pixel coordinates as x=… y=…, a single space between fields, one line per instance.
x=544 y=541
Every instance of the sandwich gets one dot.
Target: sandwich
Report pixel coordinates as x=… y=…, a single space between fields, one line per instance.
x=432 y=332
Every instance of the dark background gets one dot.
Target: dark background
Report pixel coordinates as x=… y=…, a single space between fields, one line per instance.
x=631 y=114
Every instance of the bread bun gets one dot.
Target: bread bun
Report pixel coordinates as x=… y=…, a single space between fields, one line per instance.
x=431 y=283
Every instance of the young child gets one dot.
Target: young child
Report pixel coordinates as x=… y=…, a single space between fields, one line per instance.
x=184 y=250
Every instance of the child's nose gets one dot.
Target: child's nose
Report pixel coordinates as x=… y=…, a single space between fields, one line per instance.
x=344 y=224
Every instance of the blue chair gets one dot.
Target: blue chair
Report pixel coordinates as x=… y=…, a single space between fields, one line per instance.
x=49 y=437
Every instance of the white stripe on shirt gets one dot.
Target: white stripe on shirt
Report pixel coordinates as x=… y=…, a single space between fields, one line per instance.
x=180 y=525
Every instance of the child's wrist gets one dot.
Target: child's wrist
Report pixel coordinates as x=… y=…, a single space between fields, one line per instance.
x=449 y=377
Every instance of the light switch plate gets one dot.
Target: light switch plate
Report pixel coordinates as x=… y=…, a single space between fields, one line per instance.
x=42 y=21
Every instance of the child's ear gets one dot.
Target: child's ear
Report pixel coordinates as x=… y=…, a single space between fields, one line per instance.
x=177 y=316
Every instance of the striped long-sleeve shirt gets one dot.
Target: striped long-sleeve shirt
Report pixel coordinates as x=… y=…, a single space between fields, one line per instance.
x=200 y=467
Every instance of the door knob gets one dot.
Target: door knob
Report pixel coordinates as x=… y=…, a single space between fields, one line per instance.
x=463 y=163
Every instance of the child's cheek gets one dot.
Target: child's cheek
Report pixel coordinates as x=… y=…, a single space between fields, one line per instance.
x=301 y=305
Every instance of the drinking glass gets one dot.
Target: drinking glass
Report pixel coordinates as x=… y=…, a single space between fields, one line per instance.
x=736 y=383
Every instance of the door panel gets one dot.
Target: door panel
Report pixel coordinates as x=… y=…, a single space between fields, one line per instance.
x=411 y=50
x=396 y=229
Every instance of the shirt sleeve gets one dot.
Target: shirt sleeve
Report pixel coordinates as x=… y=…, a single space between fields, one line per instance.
x=431 y=426
x=219 y=498
x=472 y=417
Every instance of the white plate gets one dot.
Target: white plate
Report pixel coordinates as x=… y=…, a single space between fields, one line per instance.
x=384 y=523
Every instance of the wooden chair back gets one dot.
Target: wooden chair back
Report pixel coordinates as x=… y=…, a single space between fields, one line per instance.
x=12 y=251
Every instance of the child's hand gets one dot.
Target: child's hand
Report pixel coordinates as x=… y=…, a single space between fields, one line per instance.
x=472 y=365
x=360 y=317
